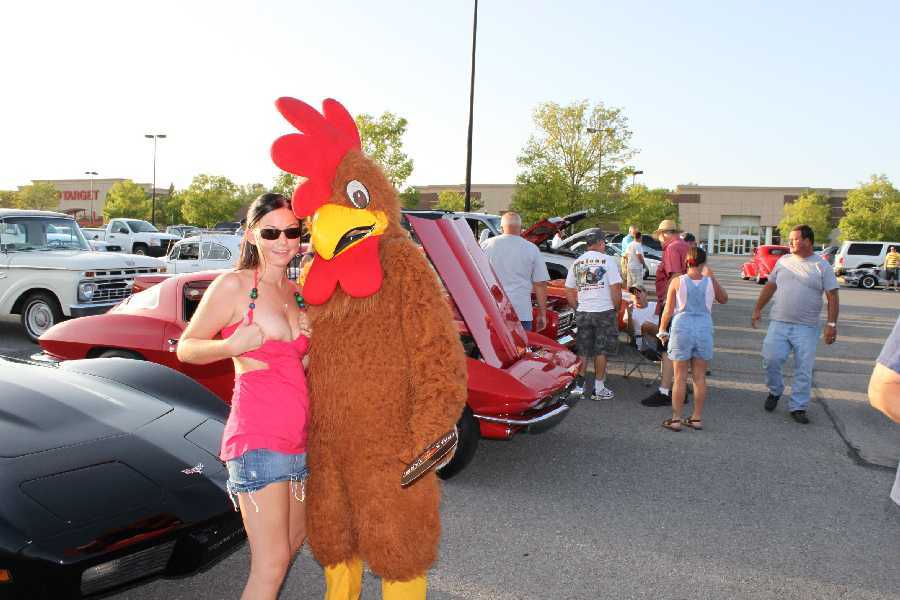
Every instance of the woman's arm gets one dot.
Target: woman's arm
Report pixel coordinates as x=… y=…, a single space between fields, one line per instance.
x=670 y=304
x=215 y=312
x=718 y=291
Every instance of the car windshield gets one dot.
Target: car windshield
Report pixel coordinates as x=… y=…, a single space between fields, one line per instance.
x=20 y=234
x=141 y=226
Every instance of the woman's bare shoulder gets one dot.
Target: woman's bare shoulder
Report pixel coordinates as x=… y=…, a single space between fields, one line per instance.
x=230 y=283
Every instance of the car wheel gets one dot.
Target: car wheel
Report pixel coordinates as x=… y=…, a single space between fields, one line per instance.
x=469 y=435
x=40 y=312
x=120 y=354
x=868 y=282
x=139 y=249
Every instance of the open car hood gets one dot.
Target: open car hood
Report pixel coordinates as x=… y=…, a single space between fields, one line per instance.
x=545 y=229
x=469 y=279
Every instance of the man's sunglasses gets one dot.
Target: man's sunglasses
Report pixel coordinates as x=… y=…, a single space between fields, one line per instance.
x=273 y=233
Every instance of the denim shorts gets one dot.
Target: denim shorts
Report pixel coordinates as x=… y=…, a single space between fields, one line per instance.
x=255 y=469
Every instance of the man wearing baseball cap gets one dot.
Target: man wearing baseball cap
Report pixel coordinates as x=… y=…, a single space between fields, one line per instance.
x=675 y=251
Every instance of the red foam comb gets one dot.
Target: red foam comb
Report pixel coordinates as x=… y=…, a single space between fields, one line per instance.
x=316 y=151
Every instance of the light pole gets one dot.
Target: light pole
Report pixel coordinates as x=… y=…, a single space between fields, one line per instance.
x=154 y=137
x=635 y=174
x=471 y=109
x=91 y=174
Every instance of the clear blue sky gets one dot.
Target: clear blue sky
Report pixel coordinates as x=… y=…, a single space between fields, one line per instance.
x=717 y=93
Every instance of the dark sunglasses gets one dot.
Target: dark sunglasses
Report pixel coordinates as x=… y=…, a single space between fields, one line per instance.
x=273 y=233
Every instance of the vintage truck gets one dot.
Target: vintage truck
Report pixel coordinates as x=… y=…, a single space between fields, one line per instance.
x=48 y=271
x=135 y=236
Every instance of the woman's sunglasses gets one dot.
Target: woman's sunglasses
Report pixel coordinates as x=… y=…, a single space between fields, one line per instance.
x=273 y=233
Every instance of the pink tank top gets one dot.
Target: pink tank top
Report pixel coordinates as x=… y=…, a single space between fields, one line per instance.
x=269 y=407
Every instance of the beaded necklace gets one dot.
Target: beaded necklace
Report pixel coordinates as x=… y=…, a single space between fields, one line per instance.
x=254 y=294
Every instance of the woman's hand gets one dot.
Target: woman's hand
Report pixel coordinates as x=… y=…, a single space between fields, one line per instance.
x=304 y=324
x=706 y=271
x=247 y=337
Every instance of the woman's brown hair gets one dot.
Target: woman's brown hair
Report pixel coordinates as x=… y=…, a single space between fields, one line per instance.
x=263 y=205
x=696 y=257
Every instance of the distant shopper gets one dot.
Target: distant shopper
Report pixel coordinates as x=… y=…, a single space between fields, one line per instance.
x=629 y=237
x=521 y=270
x=689 y=299
x=892 y=269
x=594 y=289
x=634 y=258
x=797 y=283
x=884 y=388
x=672 y=265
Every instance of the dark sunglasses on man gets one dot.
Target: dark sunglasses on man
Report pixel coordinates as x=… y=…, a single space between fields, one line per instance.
x=273 y=233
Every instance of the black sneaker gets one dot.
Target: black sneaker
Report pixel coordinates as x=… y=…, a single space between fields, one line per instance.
x=771 y=402
x=657 y=398
x=800 y=416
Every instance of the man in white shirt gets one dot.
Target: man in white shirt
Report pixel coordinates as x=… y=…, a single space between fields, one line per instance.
x=594 y=289
x=634 y=255
x=520 y=269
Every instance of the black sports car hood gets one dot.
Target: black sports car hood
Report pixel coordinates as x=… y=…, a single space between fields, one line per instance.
x=43 y=409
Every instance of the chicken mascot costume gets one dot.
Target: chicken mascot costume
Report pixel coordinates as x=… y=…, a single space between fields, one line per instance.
x=387 y=373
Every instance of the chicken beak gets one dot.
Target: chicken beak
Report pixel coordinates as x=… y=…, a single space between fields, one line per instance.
x=336 y=228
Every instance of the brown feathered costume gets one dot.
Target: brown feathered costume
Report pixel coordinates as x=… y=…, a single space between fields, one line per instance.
x=387 y=372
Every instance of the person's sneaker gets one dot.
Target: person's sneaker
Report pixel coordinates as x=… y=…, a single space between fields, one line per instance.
x=800 y=416
x=657 y=398
x=771 y=402
x=577 y=390
x=604 y=394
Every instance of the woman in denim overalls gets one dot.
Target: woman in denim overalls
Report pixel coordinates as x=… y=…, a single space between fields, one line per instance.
x=691 y=342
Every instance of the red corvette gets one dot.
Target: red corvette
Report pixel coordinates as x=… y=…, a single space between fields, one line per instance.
x=518 y=381
x=762 y=262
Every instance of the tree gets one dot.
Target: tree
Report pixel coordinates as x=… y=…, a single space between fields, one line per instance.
x=284 y=184
x=126 y=199
x=645 y=208
x=872 y=212
x=564 y=168
x=810 y=208
x=382 y=140
x=210 y=199
x=8 y=199
x=250 y=192
x=39 y=196
x=410 y=198
x=456 y=201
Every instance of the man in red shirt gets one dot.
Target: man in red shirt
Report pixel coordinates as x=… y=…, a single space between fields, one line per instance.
x=675 y=251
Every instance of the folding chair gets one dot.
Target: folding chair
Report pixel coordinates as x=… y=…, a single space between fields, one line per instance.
x=632 y=358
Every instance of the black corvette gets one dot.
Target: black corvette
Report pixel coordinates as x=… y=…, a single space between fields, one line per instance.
x=108 y=475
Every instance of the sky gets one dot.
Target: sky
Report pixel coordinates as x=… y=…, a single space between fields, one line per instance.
x=788 y=93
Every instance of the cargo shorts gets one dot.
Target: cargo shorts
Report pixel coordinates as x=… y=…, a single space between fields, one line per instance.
x=597 y=333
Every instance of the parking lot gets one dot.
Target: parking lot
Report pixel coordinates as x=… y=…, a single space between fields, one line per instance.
x=610 y=505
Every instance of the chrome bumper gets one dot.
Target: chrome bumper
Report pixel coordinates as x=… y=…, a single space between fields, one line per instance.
x=84 y=310
x=44 y=358
x=541 y=422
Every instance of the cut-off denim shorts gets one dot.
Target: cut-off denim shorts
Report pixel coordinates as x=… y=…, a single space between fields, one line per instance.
x=255 y=469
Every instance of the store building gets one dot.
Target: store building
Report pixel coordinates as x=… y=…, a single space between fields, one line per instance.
x=85 y=198
x=494 y=197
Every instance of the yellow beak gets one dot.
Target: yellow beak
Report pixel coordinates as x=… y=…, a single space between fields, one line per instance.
x=337 y=228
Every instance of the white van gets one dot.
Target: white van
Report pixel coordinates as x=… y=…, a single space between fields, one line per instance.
x=858 y=255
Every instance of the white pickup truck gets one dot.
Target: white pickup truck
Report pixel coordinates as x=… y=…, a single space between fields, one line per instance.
x=135 y=236
x=48 y=272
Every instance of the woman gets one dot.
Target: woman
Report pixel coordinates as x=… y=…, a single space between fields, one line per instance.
x=690 y=298
x=264 y=329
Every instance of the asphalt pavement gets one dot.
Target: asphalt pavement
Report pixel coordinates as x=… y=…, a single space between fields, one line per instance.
x=610 y=505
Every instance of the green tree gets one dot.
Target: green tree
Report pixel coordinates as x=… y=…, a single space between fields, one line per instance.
x=645 y=208
x=126 y=199
x=564 y=167
x=8 y=199
x=284 y=184
x=872 y=212
x=410 y=198
x=382 y=140
x=456 y=201
x=810 y=208
x=39 y=196
x=248 y=193
x=210 y=199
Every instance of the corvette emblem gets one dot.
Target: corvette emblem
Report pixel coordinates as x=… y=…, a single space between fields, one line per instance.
x=195 y=470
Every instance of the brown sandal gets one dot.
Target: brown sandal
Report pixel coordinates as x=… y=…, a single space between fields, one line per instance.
x=694 y=423
x=672 y=424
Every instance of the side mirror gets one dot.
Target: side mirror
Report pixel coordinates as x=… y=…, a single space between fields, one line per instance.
x=123 y=230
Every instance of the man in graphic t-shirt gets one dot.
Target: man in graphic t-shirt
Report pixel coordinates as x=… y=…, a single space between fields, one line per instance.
x=594 y=289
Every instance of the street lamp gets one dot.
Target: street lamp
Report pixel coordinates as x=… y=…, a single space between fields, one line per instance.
x=635 y=174
x=154 y=137
x=91 y=174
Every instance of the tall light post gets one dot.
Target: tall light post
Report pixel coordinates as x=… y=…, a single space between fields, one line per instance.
x=154 y=137
x=471 y=109
x=91 y=174
x=635 y=174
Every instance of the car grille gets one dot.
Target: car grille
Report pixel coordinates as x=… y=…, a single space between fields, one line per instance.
x=117 y=288
x=128 y=568
x=566 y=321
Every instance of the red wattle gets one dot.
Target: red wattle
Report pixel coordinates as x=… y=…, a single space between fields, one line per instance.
x=357 y=270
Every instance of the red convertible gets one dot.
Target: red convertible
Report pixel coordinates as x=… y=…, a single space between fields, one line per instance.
x=762 y=262
x=518 y=381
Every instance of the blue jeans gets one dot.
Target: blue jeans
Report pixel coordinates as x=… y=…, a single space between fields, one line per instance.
x=780 y=340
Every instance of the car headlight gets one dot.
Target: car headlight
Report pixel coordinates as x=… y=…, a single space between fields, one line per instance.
x=86 y=291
